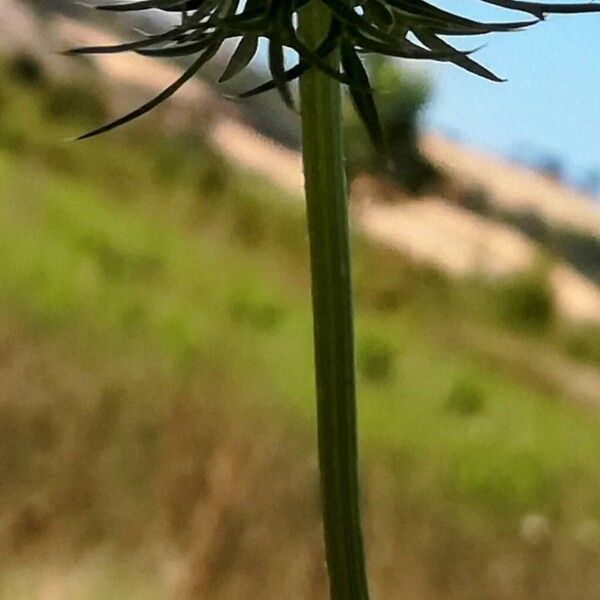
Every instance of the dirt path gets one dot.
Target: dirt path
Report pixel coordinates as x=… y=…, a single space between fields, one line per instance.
x=515 y=188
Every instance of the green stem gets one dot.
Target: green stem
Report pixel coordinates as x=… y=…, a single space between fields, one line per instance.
x=327 y=214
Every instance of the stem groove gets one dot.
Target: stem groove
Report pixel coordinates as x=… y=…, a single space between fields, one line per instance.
x=327 y=216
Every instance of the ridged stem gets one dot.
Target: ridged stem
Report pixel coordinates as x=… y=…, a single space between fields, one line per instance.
x=327 y=214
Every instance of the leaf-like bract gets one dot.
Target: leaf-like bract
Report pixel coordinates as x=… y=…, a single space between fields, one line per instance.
x=387 y=27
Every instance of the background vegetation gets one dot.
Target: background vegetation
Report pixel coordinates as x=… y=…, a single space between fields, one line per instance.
x=156 y=404
x=401 y=96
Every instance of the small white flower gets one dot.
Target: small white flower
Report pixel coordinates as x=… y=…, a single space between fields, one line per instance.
x=535 y=529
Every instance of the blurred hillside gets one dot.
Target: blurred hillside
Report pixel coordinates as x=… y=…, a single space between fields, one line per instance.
x=156 y=397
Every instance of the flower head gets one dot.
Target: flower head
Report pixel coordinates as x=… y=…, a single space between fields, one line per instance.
x=410 y=29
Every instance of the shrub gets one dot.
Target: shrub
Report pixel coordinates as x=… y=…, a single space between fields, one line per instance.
x=26 y=69
x=583 y=344
x=579 y=248
x=400 y=105
x=466 y=398
x=531 y=224
x=68 y=101
x=375 y=358
x=250 y=226
x=250 y=307
x=476 y=199
x=526 y=302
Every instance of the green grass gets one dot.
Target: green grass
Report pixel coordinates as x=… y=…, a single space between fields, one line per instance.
x=74 y=258
x=195 y=277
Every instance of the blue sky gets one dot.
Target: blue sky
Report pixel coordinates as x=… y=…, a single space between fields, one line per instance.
x=550 y=103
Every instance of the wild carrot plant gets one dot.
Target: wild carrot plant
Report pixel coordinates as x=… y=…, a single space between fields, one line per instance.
x=328 y=38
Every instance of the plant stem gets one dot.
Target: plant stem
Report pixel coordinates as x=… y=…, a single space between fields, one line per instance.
x=327 y=215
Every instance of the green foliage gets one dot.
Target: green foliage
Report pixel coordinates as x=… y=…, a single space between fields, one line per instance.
x=401 y=97
x=375 y=359
x=248 y=307
x=583 y=343
x=518 y=482
x=69 y=101
x=526 y=302
x=466 y=398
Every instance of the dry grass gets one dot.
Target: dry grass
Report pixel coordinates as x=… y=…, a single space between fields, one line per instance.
x=216 y=497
